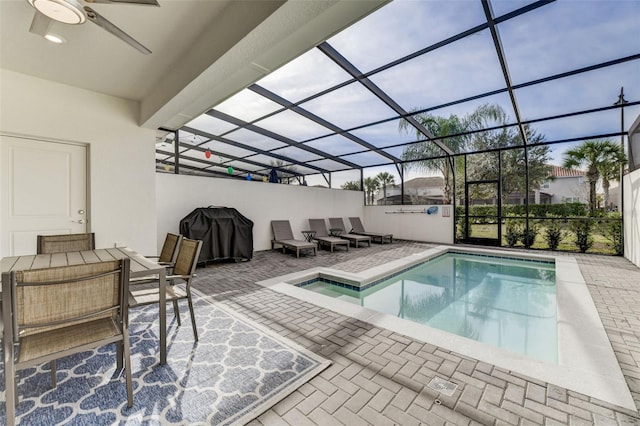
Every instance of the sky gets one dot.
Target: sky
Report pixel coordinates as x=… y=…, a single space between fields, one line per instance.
x=556 y=38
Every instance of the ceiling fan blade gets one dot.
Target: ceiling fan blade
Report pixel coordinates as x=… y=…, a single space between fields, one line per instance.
x=40 y=24
x=140 y=2
x=105 y=24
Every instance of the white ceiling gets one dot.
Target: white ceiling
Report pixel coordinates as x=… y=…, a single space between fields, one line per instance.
x=203 y=50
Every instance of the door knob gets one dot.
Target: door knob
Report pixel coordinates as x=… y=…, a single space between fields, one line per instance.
x=80 y=211
x=81 y=221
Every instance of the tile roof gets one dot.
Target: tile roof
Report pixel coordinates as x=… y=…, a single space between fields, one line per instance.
x=558 y=171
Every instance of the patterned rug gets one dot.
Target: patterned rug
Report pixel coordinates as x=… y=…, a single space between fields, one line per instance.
x=236 y=371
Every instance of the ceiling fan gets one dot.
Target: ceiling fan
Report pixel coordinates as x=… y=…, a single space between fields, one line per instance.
x=72 y=12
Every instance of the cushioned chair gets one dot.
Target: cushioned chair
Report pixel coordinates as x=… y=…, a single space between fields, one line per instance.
x=283 y=235
x=357 y=228
x=54 y=312
x=338 y=223
x=322 y=236
x=48 y=244
x=183 y=273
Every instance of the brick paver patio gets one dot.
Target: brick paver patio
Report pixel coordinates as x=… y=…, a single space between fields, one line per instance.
x=379 y=377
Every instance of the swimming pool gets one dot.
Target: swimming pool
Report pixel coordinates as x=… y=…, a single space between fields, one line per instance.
x=506 y=302
x=585 y=363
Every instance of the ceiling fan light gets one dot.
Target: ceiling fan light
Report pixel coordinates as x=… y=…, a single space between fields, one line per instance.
x=55 y=38
x=65 y=11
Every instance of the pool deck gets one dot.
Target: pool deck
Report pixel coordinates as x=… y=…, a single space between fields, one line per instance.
x=380 y=376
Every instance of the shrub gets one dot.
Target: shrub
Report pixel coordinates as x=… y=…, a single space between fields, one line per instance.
x=582 y=230
x=461 y=228
x=553 y=234
x=528 y=236
x=614 y=233
x=513 y=232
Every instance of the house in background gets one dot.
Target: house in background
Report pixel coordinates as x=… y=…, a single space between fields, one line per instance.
x=422 y=190
x=564 y=186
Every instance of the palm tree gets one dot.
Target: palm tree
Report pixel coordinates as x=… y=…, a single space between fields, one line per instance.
x=371 y=185
x=610 y=171
x=385 y=179
x=599 y=156
x=423 y=153
x=351 y=185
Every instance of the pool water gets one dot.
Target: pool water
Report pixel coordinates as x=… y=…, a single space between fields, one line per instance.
x=508 y=303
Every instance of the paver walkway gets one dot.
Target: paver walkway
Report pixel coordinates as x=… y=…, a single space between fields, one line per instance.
x=379 y=377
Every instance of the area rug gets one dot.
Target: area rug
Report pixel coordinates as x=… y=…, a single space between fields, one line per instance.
x=236 y=371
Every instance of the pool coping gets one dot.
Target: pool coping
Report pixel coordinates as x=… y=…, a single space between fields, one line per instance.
x=586 y=361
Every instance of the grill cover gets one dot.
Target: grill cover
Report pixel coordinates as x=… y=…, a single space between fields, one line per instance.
x=225 y=233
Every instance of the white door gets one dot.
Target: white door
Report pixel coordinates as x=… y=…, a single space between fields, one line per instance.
x=43 y=190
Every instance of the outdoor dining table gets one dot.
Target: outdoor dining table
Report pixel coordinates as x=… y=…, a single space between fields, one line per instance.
x=140 y=267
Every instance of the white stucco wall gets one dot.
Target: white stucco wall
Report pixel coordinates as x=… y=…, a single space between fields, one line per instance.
x=178 y=195
x=122 y=205
x=410 y=226
x=631 y=216
x=563 y=187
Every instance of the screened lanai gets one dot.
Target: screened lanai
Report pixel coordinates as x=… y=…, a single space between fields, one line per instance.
x=479 y=99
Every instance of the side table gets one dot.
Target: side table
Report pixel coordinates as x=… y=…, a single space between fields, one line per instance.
x=308 y=235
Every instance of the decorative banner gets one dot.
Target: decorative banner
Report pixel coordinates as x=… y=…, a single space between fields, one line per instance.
x=207 y=154
x=230 y=170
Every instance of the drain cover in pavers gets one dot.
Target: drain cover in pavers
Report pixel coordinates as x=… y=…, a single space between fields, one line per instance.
x=442 y=386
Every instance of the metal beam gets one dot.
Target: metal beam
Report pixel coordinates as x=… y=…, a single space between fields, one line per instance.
x=494 y=92
x=266 y=167
x=400 y=169
x=230 y=157
x=311 y=116
x=333 y=54
x=176 y=167
x=459 y=36
x=535 y=120
x=264 y=132
x=207 y=162
x=213 y=172
x=488 y=12
x=250 y=148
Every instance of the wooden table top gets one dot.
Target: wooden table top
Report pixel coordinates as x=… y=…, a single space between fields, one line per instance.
x=140 y=265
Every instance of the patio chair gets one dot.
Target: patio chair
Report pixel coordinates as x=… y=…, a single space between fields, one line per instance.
x=183 y=272
x=169 y=252
x=322 y=236
x=338 y=223
x=54 y=312
x=283 y=235
x=357 y=228
x=48 y=244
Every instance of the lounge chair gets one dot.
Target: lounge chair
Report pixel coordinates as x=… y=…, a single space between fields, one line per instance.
x=338 y=223
x=322 y=236
x=357 y=228
x=283 y=235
